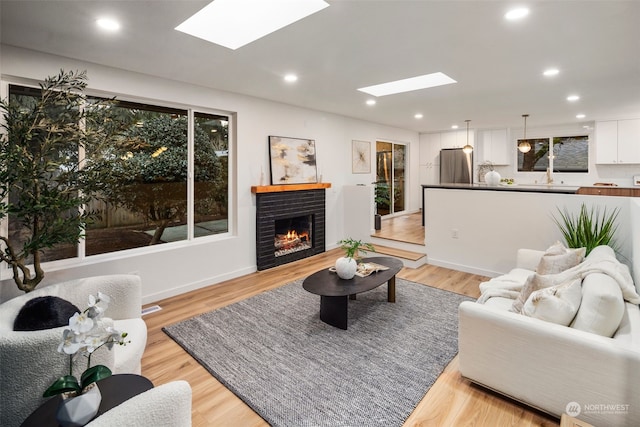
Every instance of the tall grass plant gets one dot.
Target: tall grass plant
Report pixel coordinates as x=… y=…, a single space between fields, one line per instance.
x=590 y=227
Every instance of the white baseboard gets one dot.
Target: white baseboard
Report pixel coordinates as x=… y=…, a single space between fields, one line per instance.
x=464 y=268
x=178 y=290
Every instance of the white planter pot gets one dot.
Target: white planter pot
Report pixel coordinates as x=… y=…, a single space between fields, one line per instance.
x=492 y=178
x=346 y=267
x=78 y=411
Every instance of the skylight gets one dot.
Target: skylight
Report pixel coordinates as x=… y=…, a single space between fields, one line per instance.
x=235 y=23
x=408 y=85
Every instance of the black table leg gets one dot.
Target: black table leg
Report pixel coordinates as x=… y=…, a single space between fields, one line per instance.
x=333 y=311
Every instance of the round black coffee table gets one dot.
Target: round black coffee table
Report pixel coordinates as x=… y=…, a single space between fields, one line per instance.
x=335 y=292
x=114 y=389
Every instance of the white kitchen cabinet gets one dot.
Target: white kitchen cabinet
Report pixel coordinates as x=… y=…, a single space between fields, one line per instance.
x=618 y=142
x=429 y=148
x=430 y=158
x=429 y=175
x=493 y=146
x=456 y=139
x=449 y=140
x=629 y=141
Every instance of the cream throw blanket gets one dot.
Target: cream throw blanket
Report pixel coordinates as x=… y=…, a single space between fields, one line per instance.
x=600 y=260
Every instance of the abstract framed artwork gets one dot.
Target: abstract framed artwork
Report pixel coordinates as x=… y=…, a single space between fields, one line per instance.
x=360 y=156
x=293 y=160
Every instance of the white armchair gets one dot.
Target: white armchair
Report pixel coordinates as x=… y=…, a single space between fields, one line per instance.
x=29 y=361
x=168 y=405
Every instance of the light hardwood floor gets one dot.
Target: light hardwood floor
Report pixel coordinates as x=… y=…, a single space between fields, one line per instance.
x=452 y=401
x=404 y=228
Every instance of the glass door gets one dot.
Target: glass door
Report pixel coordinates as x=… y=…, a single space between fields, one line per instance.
x=390 y=177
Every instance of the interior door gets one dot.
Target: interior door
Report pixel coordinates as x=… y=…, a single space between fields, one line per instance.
x=390 y=177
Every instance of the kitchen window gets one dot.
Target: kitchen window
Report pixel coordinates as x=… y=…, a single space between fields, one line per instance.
x=569 y=154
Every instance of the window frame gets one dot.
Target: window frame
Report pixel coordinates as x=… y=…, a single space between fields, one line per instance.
x=550 y=142
x=81 y=258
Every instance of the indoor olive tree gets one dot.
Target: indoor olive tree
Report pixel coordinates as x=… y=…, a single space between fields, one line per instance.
x=44 y=181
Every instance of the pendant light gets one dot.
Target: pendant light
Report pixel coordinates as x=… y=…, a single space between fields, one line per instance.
x=524 y=146
x=467 y=148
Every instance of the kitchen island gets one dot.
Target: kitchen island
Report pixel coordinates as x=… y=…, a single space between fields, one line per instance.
x=479 y=228
x=533 y=188
x=528 y=188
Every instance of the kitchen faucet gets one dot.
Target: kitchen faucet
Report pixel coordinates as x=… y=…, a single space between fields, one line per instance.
x=549 y=177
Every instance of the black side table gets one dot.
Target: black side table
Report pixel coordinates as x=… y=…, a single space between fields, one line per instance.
x=114 y=390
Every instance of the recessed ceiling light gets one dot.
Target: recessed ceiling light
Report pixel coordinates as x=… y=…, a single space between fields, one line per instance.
x=418 y=116
x=454 y=126
x=515 y=14
x=551 y=72
x=407 y=85
x=371 y=102
x=572 y=98
x=230 y=23
x=290 y=78
x=108 y=24
x=580 y=116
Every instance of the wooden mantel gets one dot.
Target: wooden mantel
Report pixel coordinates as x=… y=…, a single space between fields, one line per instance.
x=288 y=187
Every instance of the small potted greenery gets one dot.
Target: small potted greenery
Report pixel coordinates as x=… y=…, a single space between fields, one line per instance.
x=588 y=229
x=347 y=265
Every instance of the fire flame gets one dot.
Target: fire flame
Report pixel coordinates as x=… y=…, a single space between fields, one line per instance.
x=293 y=234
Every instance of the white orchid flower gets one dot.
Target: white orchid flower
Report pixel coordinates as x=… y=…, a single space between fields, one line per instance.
x=115 y=337
x=69 y=344
x=93 y=342
x=81 y=323
x=98 y=305
x=104 y=298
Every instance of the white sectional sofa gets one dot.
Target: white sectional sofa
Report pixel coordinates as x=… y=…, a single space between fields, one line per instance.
x=552 y=367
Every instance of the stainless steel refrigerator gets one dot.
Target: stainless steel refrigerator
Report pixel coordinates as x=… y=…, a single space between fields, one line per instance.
x=456 y=166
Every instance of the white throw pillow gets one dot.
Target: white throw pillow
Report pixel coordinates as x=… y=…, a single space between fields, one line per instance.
x=534 y=282
x=557 y=304
x=602 y=306
x=557 y=258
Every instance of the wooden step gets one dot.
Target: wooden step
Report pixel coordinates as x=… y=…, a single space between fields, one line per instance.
x=398 y=253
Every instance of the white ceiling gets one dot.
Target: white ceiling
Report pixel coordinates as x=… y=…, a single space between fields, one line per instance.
x=351 y=44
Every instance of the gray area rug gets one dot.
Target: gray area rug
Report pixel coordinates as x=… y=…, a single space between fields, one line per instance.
x=274 y=353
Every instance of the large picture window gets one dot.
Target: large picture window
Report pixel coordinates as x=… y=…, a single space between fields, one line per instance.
x=165 y=180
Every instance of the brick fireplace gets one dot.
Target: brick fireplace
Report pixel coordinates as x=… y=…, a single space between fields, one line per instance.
x=290 y=223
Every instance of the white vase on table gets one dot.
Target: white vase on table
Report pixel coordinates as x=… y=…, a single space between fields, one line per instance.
x=79 y=410
x=346 y=267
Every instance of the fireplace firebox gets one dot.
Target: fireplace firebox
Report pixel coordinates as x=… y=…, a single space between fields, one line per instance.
x=290 y=225
x=293 y=235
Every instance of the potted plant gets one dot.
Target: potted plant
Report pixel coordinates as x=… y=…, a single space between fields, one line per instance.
x=347 y=265
x=588 y=228
x=86 y=333
x=44 y=182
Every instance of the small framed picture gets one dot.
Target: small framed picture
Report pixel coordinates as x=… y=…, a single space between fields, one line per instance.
x=293 y=160
x=360 y=156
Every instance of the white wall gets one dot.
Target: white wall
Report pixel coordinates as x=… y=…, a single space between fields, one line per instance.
x=493 y=225
x=171 y=269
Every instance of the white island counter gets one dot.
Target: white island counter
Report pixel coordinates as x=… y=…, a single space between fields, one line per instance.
x=478 y=229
